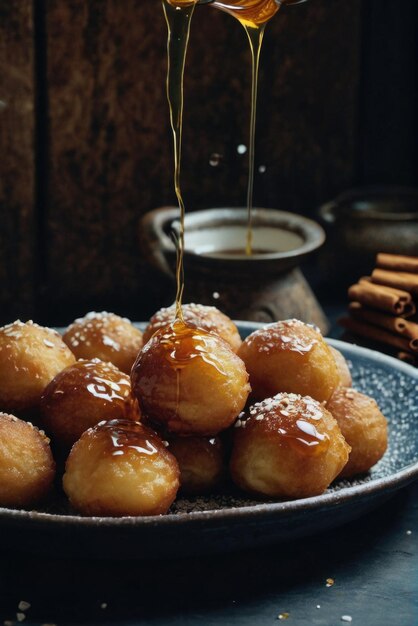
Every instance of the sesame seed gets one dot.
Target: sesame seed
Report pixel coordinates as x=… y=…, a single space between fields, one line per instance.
x=23 y=605
x=283 y=616
x=346 y=618
x=20 y=617
x=329 y=582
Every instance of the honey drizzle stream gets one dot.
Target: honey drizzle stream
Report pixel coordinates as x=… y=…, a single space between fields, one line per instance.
x=255 y=37
x=178 y=18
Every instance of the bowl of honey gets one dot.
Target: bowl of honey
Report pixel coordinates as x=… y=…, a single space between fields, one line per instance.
x=250 y=270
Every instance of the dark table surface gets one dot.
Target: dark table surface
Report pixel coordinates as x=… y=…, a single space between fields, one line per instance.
x=373 y=562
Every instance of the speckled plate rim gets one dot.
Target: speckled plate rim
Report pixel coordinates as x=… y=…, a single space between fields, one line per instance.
x=344 y=495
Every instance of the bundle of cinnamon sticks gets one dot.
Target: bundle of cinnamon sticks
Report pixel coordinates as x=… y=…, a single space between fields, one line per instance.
x=383 y=306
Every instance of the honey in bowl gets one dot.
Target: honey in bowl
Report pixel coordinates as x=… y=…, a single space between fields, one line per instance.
x=252 y=13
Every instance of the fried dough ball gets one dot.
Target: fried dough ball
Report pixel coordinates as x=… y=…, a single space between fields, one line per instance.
x=201 y=462
x=342 y=367
x=27 y=468
x=363 y=426
x=30 y=357
x=105 y=336
x=289 y=447
x=199 y=316
x=189 y=381
x=83 y=395
x=289 y=356
x=121 y=468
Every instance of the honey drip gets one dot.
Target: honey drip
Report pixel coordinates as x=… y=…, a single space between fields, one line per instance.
x=255 y=37
x=178 y=15
x=185 y=343
x=253 y=15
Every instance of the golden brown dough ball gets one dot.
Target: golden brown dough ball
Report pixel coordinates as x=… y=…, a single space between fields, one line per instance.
x=342 y=367
x=201 y=461
x=83 y=395
x=121 y=468
x=289 y=447
x=30 y=357
x=199 y=316
x=105 y=336
x=27 y=468
x=189 y=381
x=289 y=356
x=363 y=426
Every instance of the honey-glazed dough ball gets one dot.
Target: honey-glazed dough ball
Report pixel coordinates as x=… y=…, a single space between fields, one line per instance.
x=201 y=461
x=105 y=336
x=363 y=426
x=27 y=468
x=30 y=357
x=289 y=447
x=83 y=395
x=342 y=367
x=189 y=381
x=289 y=356
x=121 y=468
x=199 y=316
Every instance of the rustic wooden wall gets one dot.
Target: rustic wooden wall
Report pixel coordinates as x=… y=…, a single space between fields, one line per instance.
x=17 y=163
x=103 y=147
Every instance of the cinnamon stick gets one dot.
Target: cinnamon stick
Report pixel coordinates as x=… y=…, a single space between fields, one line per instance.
x=398 y=262
x=383 y=298
x=408 y=358
x=376 y=334
x=399 y=280
x=397 y=325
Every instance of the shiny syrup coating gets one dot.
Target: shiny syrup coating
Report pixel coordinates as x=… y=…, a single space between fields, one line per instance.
x=124 y=435
x=289 y=417
x=102 y=381
x=183 y=343
x=83 y=395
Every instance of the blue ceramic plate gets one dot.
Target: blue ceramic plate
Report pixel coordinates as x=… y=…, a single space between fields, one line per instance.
x=231 y=520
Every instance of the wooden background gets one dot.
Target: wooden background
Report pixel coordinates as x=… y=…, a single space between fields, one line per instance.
x=86 y=148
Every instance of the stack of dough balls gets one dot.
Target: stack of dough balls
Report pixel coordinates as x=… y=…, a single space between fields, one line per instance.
x=132 y=442
x=280 y=449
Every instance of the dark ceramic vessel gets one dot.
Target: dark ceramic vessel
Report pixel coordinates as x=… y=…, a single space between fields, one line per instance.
x=232 y=521
x=362 y=222
x=263 y=287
